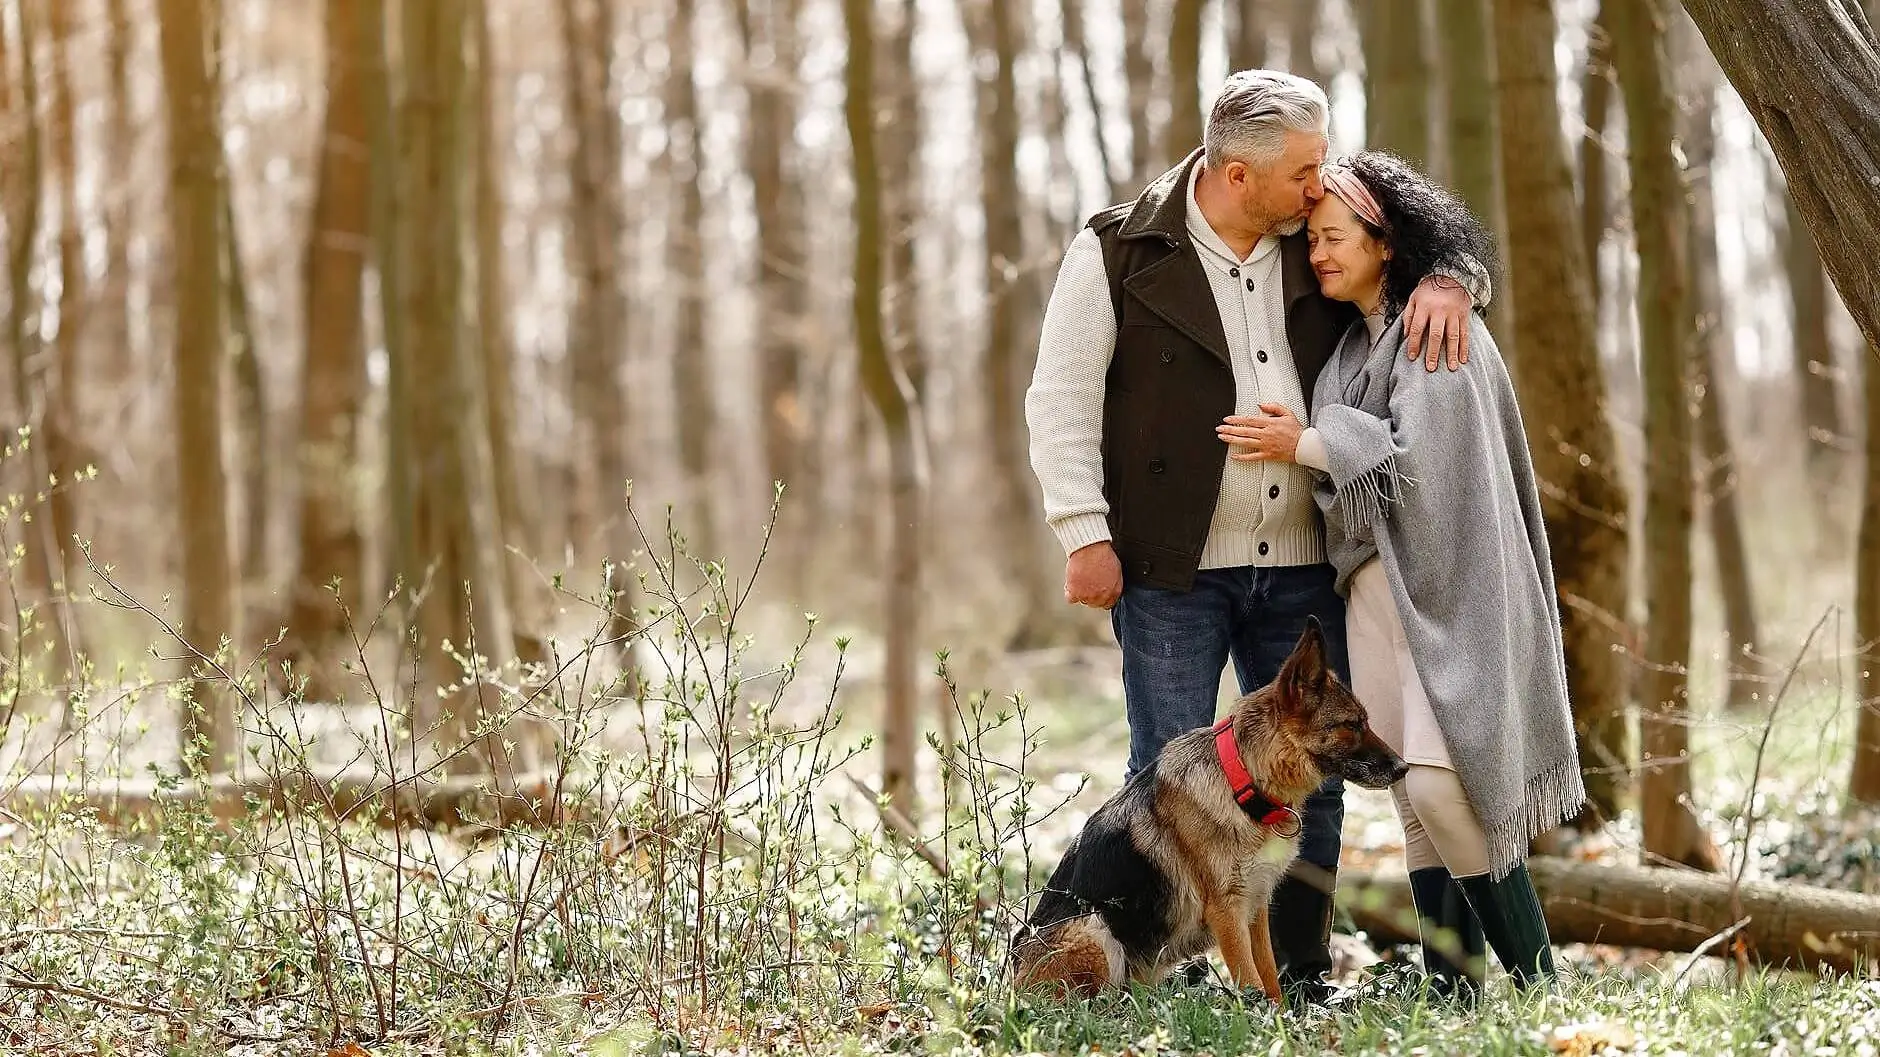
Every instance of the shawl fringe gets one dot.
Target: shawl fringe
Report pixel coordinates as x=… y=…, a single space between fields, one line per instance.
x=1551 y=797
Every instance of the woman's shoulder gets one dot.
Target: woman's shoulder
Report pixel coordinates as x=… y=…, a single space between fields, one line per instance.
x=1482 y=348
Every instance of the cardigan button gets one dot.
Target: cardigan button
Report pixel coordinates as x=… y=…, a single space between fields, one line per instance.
x=1167 y=356
x=1263 y=547
x=1235 y=272
x=1157 y=466
x=1249 y=284
x=1273 y=492
x=1261 y=355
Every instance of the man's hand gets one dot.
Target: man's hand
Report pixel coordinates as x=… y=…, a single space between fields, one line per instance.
x=1093 y=576
x=1272 y=437
x=1437 y=319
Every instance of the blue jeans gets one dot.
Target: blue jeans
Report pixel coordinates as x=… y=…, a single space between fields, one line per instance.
x=1176 y=643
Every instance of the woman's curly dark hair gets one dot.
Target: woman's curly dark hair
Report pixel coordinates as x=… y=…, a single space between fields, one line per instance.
x=1430 y=228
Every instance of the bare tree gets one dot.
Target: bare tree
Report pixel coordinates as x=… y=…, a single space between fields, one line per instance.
x=1397 y=78
x=1864 y=782
x=1246 y=49
x=1671 y=831
x=1809 y=72
x=1562 y=394
x=196 y=400
x=1596 y=97
x=250 y=455
x=891 y=395
x=1717 y=464
x=120 y=141
x=597 y=331
x=1010 y=313
x=1182 y=133
x=1303 y=26
x=1139 y=86
x=495 y=351
x=1820 y=406
x=333 y=382
x=685 y=250
x=899 y=92
x=768 y=28
x=59 y=440
x=1863 y=785
x=1076 y=42
x=21 y=184
x=460 y=607
x=1467 y=68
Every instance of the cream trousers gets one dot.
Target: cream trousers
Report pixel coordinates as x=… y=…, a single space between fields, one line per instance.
x=1439 y=825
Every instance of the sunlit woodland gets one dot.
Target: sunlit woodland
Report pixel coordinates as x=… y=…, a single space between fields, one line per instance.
x=519 y=533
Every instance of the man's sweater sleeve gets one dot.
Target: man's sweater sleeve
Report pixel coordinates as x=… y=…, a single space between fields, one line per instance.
x=1064 y=407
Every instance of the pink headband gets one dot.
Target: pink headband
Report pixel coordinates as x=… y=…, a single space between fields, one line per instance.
x=1346 y=184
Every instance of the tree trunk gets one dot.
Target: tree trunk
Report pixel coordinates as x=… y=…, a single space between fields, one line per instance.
x=1071 y=15
x=1716 y=357
x=59 y=417
x=1246 y=50
x=333 y=383
x=461 y=607
x=888 y=390
x=771 y=88
x=1810 y=76
x=387 y=223
x=1139 y=86
x=251 y=411
x=1010 y=319
x=196 y=391
x=1596 y=94
x=1863 y=785
x=1397 y=79
x=1670 y=832
x=596 y=336
x=1302 y=55
x=1791 y=925
x=495 y=351
x=22 y=182
x=1864 y=782
x=1468 y=68
x=1814 y=354
x=692 y=372
x=901 y=196
x=120 y=142
x=352 y=793
x=1563 y=397
x=1183 y=131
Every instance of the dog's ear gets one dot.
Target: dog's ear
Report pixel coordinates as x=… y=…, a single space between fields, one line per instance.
x=1304 y=671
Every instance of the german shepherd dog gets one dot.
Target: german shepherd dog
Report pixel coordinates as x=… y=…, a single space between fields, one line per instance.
x=1186 y=855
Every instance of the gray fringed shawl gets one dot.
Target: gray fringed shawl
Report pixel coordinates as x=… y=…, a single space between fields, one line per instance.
x=1430 y=472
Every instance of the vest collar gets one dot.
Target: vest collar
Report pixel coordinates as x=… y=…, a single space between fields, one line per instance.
x=1258 y=806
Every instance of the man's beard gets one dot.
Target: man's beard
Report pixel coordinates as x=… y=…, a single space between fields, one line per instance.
x=1283 y=226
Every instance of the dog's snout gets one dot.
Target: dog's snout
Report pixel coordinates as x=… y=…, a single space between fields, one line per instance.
x=1375 y=766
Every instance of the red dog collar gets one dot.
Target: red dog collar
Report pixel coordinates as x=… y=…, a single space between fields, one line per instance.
x=1282 y=819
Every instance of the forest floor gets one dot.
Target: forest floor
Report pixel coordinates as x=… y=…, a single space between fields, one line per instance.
x=719 y=883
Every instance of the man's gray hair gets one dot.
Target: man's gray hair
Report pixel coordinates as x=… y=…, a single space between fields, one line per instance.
x=1255 y=110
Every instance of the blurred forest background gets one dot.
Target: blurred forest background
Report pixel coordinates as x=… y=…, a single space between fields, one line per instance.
x=302 y=294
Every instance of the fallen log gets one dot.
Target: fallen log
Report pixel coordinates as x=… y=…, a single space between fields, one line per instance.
x=1790 y=925
x=436 y=800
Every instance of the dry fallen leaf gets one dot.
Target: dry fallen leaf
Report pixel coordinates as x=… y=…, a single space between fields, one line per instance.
x=1592 y=1039
x=874 y=1011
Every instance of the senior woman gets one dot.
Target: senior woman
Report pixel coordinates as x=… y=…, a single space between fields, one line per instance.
x=1433 y=521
